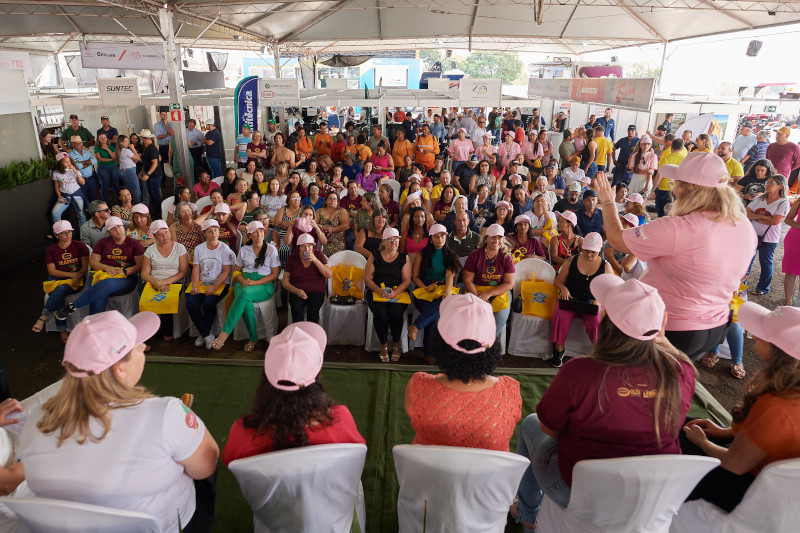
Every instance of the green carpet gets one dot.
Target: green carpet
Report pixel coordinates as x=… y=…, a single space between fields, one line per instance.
x=373 y=393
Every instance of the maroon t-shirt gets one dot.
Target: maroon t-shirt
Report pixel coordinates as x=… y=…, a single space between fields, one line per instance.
x=308 y=279
x=68 y=260
x=784 y=157
x=392 y=208
x=350 y=205
x=489 y=272
x=530 y=246
x=601 y=415
x=118 y=255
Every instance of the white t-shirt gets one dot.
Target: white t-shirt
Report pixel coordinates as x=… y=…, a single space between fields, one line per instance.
x=135 y=467
x=125 y=161
x=636 y=272
x=247 y=260
x=273 y=203
x=67 y=181
x=165 y=267
x=571 y=177
x=760 y=206
x=212 y=261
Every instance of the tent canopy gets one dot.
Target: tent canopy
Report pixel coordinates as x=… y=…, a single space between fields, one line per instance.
x=361 y=26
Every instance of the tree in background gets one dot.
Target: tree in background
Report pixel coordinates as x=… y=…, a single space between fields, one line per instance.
x=641 y=70
x=504 y=65
x=430 y=57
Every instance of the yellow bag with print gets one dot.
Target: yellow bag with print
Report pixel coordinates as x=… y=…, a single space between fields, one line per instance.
x=402 y=298
x=345 y=281
x=50 y=286
x=499 y=302
x=422 y=294
x=551 y=230
x=538 y=298
x=204 y=287
x=100 y=275
x=160 y=302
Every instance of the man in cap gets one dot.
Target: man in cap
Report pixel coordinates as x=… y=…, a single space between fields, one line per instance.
x=152 y=172
x=110 y=131
x=213 y=144
x=743 y=142
x=625 y=145
x=94 y=229
x=74 y=128
x=85 y=162
x=785 y=156
x=269 y=135
x=570 y=202
x=164 y=134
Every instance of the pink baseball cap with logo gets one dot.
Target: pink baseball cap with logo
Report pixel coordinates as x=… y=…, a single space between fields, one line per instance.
x=100 y=340
x=636 y=198
x=706 y=169
x=294 y=357
x=593 y=242
x=61 y=155
x=569 y=216
x=521 y=218
x=210 y=223
x=305 y=238
x=413 y=196
x=503 y=203
x=466 y=317
x=631 y=219
x=495 y=230
x=140 y=209
x=437 y=228
x=634 y=307
x=112 y=222
x=61 y=226
x=391 y=233
x=254 y=226
x=222 y=207
x=303 y=224
x=157 y=225
x=780 y=327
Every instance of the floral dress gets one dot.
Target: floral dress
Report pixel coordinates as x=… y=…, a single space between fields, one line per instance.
x=336 y=242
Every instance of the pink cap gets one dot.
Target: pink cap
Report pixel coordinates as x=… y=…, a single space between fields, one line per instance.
x=509 y=132
x=222 y=207
x=414 y=177
x=593 y=242
x=496 y=230
x=645 y=139
x=521 y=218
x=294 y=357
x=503 y=203
x=210 y=223
x=61 y=226
x=113 y=222
x=61 y=155
x=157 y=225
x=101 y=340
x=634 y=307
x=636 y=198
x=512 y=176
x=254 y=226
x=140 y=209
x=303 y=224
x=706 y=169
x=437 y=228
x=413 y=196
x=463 y=317
x=631 y=219
x=391 y=233
x=305 y=238
x=780 y=327
x=569 y=216
x=488 y=134
x=462 y=129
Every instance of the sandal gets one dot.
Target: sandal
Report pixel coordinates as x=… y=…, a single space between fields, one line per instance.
x=413 y=331
x=758 y=293
x=384 y=355
x=737 y=371
x=218 y=343
x=709 y=360
x=40 y=324
x=64 y=336
x=250 y=347
x=396 y=352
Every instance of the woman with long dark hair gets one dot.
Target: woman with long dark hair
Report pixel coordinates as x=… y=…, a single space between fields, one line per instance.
x=754 y=183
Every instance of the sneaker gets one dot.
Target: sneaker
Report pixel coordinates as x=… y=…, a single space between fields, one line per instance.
x=209 y=341
x=557 y=358
x=200 y=341
x=64 y=312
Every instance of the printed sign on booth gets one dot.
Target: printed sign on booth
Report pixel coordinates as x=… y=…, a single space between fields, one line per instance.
x=115 y=91
x=175 y=115
x=480 y=92
x=121 y=56
x=588 y=90
x=283 y=92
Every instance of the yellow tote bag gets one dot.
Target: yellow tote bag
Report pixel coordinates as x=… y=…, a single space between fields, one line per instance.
x=402 y=298
x=499 y=302
x=345 y=281
x=50 y=286
x=100 y=275
x=423 y=294
x=538 y=298
x=160 y=303
x=204 y=287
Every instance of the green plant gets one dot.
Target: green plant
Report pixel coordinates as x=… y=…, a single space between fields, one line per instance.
x=19 y=173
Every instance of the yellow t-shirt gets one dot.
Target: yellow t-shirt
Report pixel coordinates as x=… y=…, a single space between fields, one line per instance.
x=604 y=147
x=667 y=151
x=669 y=159
x=436 y=192
x=734 y=168
x=404 y=194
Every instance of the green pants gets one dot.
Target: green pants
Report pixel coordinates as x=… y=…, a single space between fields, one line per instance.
x=242 y=306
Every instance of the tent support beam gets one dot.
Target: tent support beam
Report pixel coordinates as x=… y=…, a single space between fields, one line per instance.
x=315 y=21
x=472 y=23
x=266 y=15
x=640 y=20
x=728 y=14
x=569 y=19
x=203 y=32
x=137 y=37
x=71 y=22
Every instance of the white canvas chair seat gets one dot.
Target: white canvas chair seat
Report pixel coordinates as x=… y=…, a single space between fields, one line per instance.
x=345 y=324
x=372 y=344
x=625 y=495
x=396 y=187
x=530 y=335
x=127 y=304
x=181 y=320
x=218 y=180
x=467 y=490
x=203 y=202
x=304 y=490
x=43 y=515
x=165 y=207
x=266 y=320
x=770 y=504
x=578 y=343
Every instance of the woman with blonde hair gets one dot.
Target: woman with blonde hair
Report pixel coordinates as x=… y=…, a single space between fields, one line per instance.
x=704 y=143
x=684 y=251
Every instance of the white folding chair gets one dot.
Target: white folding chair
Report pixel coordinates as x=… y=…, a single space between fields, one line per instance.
x=464 y=489
x=266 y=319
x=770 y=504
x=312 y=489
x=203 y=202
x=44 y=515
x=345 y=324
x=395 y=185
x=218 y=180
x=624 y=495
x=165 y=206
x=530 y=335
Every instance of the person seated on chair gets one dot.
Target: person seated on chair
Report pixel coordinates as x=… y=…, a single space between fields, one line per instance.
x=140 y=225
x=449 y=409
x=228 y=227
x=502 y=216
x=164 y=264
x=413 y=200
x=369 y=239
x=304 y=278
x=573 y=282
x=131 y=450
x=185 y=229
x=634 y=204
x=460 y=204
x=489 y=274
x=567 y=243
x=68 y=182
x=625 y=265
x=765 y=425
x=523 y=242
x=118 y=257
x=257 y=266
x=182 y=194
x=290 y=408
x=589 y=410
x=67 y=259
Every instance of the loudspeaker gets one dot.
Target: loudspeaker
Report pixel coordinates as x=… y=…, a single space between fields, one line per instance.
x=753 y=48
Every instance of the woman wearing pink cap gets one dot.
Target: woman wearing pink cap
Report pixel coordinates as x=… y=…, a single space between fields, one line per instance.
x=290 y=408
x=697 y=256
x=449 y=409
x=643 y=164
x=628 y=397
x=567 y=243
x=634 y=205
x=304 y=224
x=67 y=260
x=460 y=149
x=140 y=225
x=68 y=181
x=228 y=230
x=508 y=150
x=163 y=264
x=502 y=216
x=130 y=450
x=304 y=278
x=766 y=425
x=523 y=242
x=257 y=266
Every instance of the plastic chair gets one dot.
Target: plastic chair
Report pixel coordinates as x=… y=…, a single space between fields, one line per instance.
x=465 y=489
x=396 y=188
x=202 y=203
x=165 y=206
x=530 y=335
x=770 y=504
x=627 y=494
x=218 y=180
x=313 y=489
x=44 y=515
x=345 y=324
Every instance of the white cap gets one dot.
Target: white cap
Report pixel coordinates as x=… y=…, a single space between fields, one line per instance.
x=437 y=228
x=495 y=230
x=305 y=238
x=391 y=233
x=210 y=223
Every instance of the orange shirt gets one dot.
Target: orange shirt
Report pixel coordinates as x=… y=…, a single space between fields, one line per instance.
x=773 y=424
x=303 y=146
x=399 y=116
x=360 y=150
x=428 y=142
x=323 y=143
x=400 y=151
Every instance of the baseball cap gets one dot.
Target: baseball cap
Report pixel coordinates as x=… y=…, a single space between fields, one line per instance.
x=593 y=242
x=254 y=226
x=509 y=132
x=636 y=198
x=61 y=226
x=645 y=139
x=303 y=224
x=112 y=222
x=270 y=121
x=503 y=203
x=574 y=186
x=706 y=169
x=784 y=130
x=414 y=177
x=437 y=228
x=568 y=216
x=413 y=196
x=780 y=327
x=391 y=233
x=466 y=317
x=61 y=155
x=101 y=340
x=210 y=223
x=157 y=225
x=222 y=207
x=294 y=356
x=632 y=127
x=495 y=230
x=488 y=134
x=462 y=129
x=631 y=219
x=140 y=209
x=473 y=158
x=661 y=127
x=305 y=238
x=521 y=218
x=104 y=117
x=210 y=122
x=634 y=307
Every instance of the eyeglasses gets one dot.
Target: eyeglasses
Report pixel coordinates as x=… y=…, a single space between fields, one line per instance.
x=106 y=210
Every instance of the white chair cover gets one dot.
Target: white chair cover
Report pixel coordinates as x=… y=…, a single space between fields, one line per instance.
x=218 y=180
x=770 y=504
x=466 y=489
x=345 y=324
x=625 y=495
x=578 y=343
x=181 y=320
x=127 y=304
x=304 y=490
x=203 y=202
x=530 y=335
x=43 y=515
x=266 y=319
x=165 y=206
x=396 y=187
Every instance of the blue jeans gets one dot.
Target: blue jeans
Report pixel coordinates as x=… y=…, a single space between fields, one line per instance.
x=96 y=296
x=621 y=176
x=203 y=310
x=89 y=188
x=109 y=177
x=735 y=338
x=215 y=165
x=76 y=201
x=543 y=473
x=501 y=317
x=154 y=186
x=765 y=253
x=427 y=320
x=350 y=239
x=592 y=170
x=56 y=301
x=662 y=199
x=129 y=180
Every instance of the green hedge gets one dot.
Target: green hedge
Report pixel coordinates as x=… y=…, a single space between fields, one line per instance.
x=21 y=172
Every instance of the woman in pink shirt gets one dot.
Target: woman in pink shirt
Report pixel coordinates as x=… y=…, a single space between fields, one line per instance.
x=382 y=162
x=509 y=150
x=643 y=163
x=532 y=150
x=487 y=148
x=460 y=148
x=697 y=256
